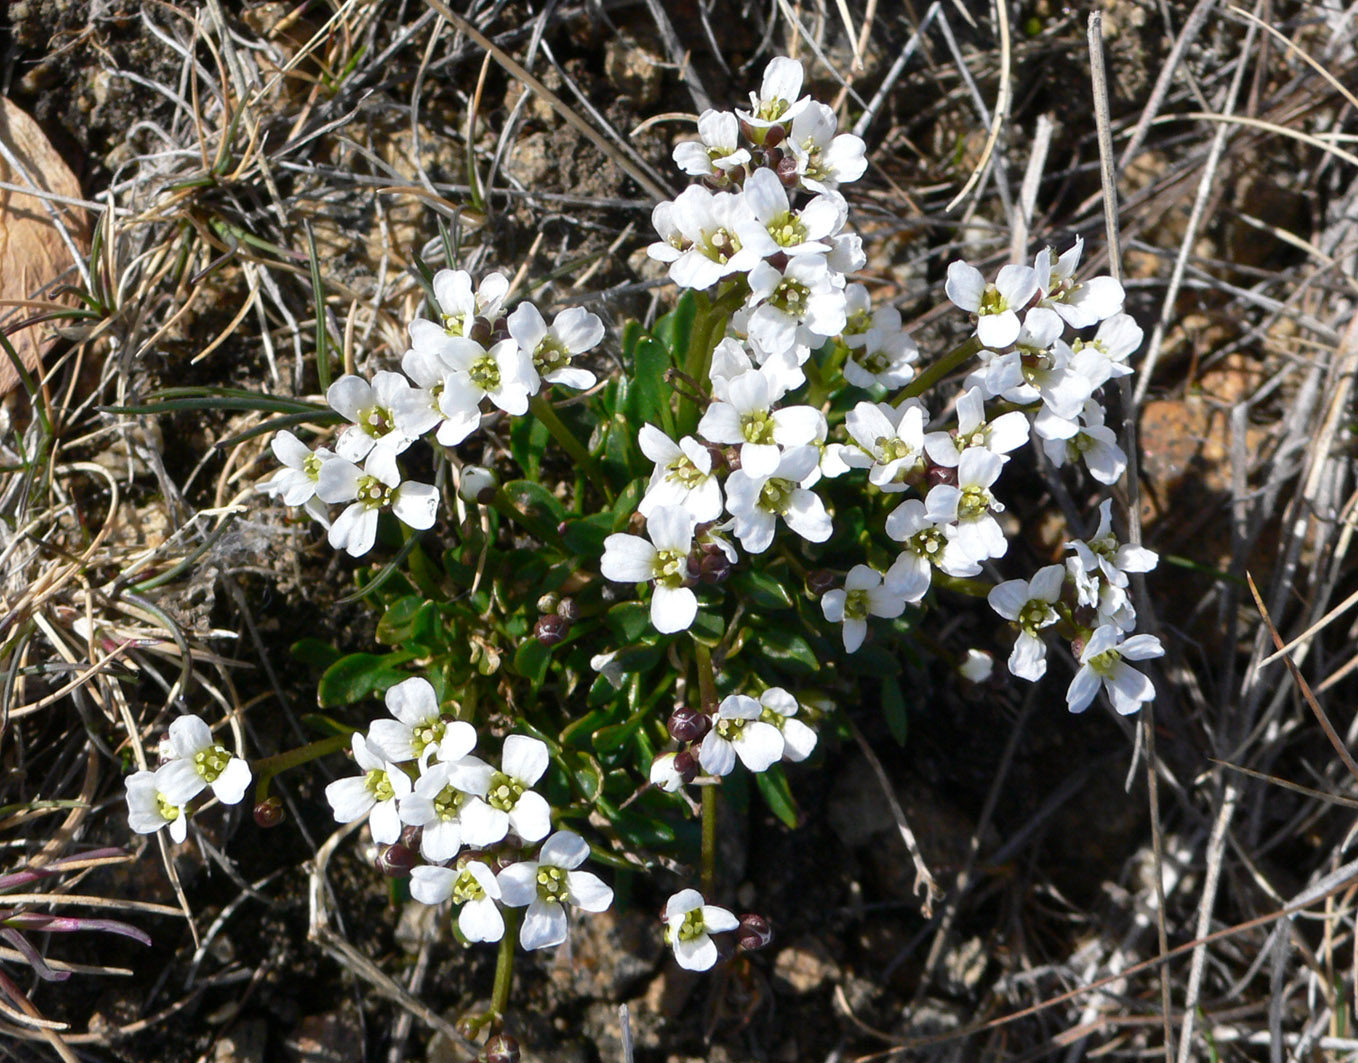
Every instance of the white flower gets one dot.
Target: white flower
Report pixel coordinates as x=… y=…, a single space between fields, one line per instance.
x=884 y=357
x=1103 y=554
x=892 y=437
x=779 y=98
x=546 y=885
x=1041 y=366
x=550 y=348
x=459 y=306
x=149 y=809
x=371 y=408
x=706 y=236
x=665 y=774
x=1116 y=340
x=504 y=374
x=631 y=559
x=1029 y=604
x=978 y=532
x=780 y=709
x=801 y=303
x=509 y=803
x=717 y=148
x=200 y=761
x=927 y=531
x=1080 y=305
x=689 y=924
x=374 y=794
x=295 y=483
x=1091 y=442
x=473 y=886
x=996 y=305
x=474 y=481
x=1006 y=433
x=438 y=804
x=824 y=161
x=737 y=731
x=1104 y=661
x=977 y=666
x=418 y=725
x=864 y=594
x=682 y=477
x=800 y=232
x=375 y=487
x=747 y=418
x=756 y=502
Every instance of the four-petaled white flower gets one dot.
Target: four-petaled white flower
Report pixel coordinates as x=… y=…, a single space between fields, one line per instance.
x=997 y=305
x=1104 y=661
x=738 y=731
x=1004 y=434
x=801 y=303
x=779 y=99
x=631 y=559
x=149 y=808
x=705 y=236
x=717 y=148
x=507 y=802
x=418 y=727
x=374 y=794
x=460 y=305
x=372 y=409
x=295 y=483
x=756 y=502
x=1030 y=605
x=864 y=594
x=375 y=487
x=1079 y=304
x=891 y=439
x=793 y=232
x=689 y=926
x=438 y=803
x=200 y=761
x=546 y=885
x=747 y=418
x=682 y=477
x=824 y=161
x=473 y=886
x=550 y=348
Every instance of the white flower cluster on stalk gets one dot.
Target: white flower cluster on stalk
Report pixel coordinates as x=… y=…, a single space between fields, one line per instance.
x=764 y=233
x=194 y=761
x=478 y=825
x=472 y=355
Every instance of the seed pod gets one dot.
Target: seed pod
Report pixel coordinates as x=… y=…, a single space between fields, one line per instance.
x=396 y=861
x=502 y=1048
x=688 y=725
x=715 y=567
x=269 y=812
x=754 y=932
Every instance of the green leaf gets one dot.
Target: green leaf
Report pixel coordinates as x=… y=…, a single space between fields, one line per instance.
x=316 y=653
x=629 y=620
x=788 y=649
x=893 y=708
x=398 y=621
x=708 y=627
x=675 y=329
x=531 y=660
x=586 y=537
x=649 y=395
x=765 y=591
x=357 y=675
x=528 y=438
x=773 y=787
x=535 y=500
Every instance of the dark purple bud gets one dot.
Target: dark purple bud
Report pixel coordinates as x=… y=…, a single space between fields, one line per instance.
x=1077 y=647
x=820 y=581
x=502 y=1048
x=396 y=861
x=480 y=331
x=502 y=324
x=411 y=836
x=269 y=812
x=772 y=156
x=736 y=175
x=548 y=602
x=1086 y=616
x=688 y=725
x=941 y=474
x=773 y=136
x=778 y=261
x=748 y=132
x=754 y=932
x=715 y=567
x=567 y=609
x=787 y=171
x=686 y=765
x=730 y=458
x=551 y=629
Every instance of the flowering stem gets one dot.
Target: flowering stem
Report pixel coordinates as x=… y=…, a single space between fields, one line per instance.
x=707 y=691
x=268 y=767
x=939 y=369
x=709 y=326
x=504 y=966
x=543 y=411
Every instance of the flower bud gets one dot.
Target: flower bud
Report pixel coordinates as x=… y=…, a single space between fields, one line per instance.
x=548 y=602
x=480 y=331
x=820 y=581
x=778 y=260
x=714 y=567
x=941 y=474
x=396 y=861
x=269 y=812
x=774 y=135
x=754 y=932
x=787 y=170
x=688 y=725
x=551 y=629
x=567 y=609
x=502 y=1048
x=477 y=484
x=686 y=764
x=411 y=836
x=772 y=156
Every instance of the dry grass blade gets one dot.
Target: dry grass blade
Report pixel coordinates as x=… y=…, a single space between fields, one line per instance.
x=1001 y=113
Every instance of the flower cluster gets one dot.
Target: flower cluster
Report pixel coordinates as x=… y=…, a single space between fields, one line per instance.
x=194 y=762
x=474 y=825
x=471 y=356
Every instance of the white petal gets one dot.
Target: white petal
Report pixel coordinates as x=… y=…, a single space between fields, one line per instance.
x=179 y=781
x=519 y=884
x=681 y=903
x=350 y=798
x=531 y=816
x=627 y=559
x=524 y=758
x=544 y=926
x=188 y=735
x=232 y=783
x=759 y=745
x=673 y=609
x=587 y=891
x=416 y=505
x=432 y=885
x=697 y=954
x=481 y=920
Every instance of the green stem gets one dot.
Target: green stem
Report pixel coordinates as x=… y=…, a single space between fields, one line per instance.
x=268 y=767
x=938 y=370
x=504 y=967
x=975 y=587
x=707 y=691
x=544 y=412
x=709 y=326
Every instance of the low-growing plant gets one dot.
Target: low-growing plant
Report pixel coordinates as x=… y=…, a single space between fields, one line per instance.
x=665 y=583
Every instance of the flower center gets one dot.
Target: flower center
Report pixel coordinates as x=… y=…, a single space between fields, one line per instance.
x=504 y=791
x=448 y=803
x=893 y=448
x=311 y=465
x=466 y=888
x=375 y=420
x=1034 y=615
x=776 y=495
x=772 y=110
x=730 y=730
x=693 y=926
x=671 y=568
x=485 y=373
x=550 y=356
x=379 y=785
x=791 y=297
x=757 y=427
x=552 y=884
x=876 y=363
x=456 y=324
x=859 y=322
x=210 y=763
x=683 y=472
x=168 y=812
x=856 y=605
x=1105 y=662
x=975 y=501
x=373 y=493
x=992 y=301
x=426 y=734
x=720 y=245
x=929 y=543
x=787 y=230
